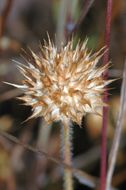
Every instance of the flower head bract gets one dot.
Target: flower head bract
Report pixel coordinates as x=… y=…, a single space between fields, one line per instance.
x=63 y=84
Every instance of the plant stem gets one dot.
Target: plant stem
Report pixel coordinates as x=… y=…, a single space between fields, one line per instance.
x=86 y=7
x=80 y=175
x=3 y=17
x=105 y=99
x=117 y=135
x=66 y=145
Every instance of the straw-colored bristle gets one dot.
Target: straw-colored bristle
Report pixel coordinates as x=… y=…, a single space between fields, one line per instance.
x=65 y=84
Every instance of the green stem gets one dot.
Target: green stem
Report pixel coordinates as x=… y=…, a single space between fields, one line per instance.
x=66 y=145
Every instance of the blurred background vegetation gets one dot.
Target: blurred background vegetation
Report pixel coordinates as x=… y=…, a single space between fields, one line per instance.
x=23 y=24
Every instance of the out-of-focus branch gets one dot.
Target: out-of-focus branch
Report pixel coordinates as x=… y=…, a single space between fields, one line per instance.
x=86 y=7
x=70 y=27
x=60 y=36
x=10 y=94
x=4 y=15
x=117 y=135
x=80 y=175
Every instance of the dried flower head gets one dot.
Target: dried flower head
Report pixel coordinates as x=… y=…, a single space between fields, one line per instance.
x=65 y=84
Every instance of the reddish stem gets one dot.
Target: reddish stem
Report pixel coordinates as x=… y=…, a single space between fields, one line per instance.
x=4 y=15
x=105 y=99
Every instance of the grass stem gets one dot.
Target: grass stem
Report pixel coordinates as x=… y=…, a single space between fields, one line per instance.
x=105 y=99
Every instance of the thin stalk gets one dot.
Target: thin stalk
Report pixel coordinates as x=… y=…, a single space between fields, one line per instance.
x=117 y=135
x=105 y=99
x=66 y=145
x=86 y=7
x=4 y=16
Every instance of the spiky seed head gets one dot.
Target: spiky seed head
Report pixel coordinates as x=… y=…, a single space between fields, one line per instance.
x=63 y=85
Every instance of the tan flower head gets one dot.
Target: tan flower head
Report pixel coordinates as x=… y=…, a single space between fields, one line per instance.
x=65 y=84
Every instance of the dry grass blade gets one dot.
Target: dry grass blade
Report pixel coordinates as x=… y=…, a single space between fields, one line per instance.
x=80 y=175
x=117 y=136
